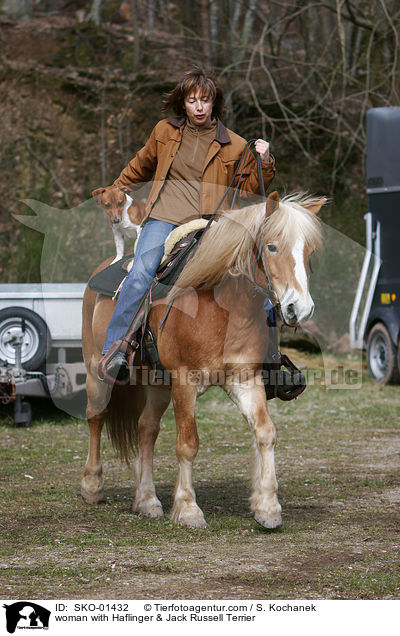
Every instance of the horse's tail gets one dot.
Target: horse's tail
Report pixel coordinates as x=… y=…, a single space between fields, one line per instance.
x=122 y=419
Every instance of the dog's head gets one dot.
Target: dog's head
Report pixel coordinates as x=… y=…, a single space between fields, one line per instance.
x=112 y=200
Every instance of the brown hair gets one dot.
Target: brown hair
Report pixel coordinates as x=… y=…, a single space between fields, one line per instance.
x=195 y=78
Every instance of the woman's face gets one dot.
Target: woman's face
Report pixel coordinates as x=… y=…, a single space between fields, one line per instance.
x=198 y=108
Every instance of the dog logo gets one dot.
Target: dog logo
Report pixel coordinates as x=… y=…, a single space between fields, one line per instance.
x=26 y=615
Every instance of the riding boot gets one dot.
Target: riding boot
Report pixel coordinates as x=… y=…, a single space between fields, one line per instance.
x=286 y=385
x=116 y=364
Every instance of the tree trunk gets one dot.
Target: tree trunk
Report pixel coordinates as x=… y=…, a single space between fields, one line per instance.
x=136 y=40
x=94 y=14
x=150 y=17
x=205 y=32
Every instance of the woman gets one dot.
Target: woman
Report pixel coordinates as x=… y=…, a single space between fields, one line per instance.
x=192 y=158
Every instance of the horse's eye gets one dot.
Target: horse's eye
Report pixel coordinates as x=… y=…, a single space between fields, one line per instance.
x=120 y=204
x=108 y=205
x=310 y=267
x=272 y=248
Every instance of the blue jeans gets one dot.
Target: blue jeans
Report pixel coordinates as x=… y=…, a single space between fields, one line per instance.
x=148 y=255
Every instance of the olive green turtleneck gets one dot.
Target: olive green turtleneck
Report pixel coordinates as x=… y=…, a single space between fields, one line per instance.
x=179 y=200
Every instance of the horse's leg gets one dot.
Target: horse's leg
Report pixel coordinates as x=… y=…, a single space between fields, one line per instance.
x=146 y=501
x=185 y=510
x=250 y=399
x=97 y=398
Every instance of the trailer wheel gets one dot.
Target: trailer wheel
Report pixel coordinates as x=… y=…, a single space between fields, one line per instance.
x=36 y=339
x=381 y=356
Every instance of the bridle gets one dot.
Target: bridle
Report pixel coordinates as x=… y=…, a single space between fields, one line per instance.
x=269 y=292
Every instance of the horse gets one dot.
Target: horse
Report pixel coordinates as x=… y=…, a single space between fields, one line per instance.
x=215 y=334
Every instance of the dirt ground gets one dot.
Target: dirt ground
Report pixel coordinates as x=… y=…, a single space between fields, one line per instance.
x=337 y=463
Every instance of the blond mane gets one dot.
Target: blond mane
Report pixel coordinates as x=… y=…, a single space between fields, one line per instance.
x=228 y=246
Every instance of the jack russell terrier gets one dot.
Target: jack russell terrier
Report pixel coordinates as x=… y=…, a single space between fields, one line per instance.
x=125 y=215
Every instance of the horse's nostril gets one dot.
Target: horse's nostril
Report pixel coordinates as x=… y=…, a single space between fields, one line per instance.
x=291 y=311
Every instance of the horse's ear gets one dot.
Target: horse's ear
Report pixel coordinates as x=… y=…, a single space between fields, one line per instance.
x=315 y=207
x=272 y=203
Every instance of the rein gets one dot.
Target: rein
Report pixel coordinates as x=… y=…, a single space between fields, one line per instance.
x=269 y=291
x=260 y=253
x=243 y=158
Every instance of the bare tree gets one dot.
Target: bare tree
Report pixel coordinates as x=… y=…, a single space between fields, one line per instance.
x=135 y=29
x=315 y=69
x=205 y=31
x=94 y=14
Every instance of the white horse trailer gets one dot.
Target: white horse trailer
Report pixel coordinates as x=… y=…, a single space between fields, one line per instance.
x=40 y=344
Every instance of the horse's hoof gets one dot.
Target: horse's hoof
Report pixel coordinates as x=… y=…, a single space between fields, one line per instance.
x=269 y=521
x=92 y=497
x=191 y=518
x=92 y=489
x=152 y=510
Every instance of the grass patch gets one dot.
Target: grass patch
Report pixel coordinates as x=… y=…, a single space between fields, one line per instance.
x=339 y=486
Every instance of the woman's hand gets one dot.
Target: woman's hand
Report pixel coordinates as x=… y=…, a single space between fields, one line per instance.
x=262 y=147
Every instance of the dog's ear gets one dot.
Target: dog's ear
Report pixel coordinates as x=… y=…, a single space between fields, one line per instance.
x=98 y=194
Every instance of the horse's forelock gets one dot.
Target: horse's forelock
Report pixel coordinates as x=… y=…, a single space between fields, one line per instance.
x=292 y=220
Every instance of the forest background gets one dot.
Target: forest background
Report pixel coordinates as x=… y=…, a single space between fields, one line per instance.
x=82 y=83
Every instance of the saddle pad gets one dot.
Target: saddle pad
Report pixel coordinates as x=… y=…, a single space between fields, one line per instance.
x=170 y=269
x=109 y=279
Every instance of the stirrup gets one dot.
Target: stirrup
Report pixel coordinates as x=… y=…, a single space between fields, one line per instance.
x=285 y=385
x=126 y=347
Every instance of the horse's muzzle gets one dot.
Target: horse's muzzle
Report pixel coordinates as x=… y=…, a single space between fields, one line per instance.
x=293 y=317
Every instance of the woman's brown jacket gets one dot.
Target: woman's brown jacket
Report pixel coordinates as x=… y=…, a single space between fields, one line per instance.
x=154 y=160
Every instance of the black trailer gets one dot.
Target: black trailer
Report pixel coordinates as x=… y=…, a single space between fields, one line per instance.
x=375 y=319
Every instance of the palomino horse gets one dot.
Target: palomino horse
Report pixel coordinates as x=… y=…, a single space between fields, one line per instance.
x=216 y=334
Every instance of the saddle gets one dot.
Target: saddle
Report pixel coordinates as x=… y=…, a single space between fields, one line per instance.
x=140 y=334
x=178 y=247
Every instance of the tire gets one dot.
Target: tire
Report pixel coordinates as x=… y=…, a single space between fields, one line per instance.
x=381 y=356
x=36 y=342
